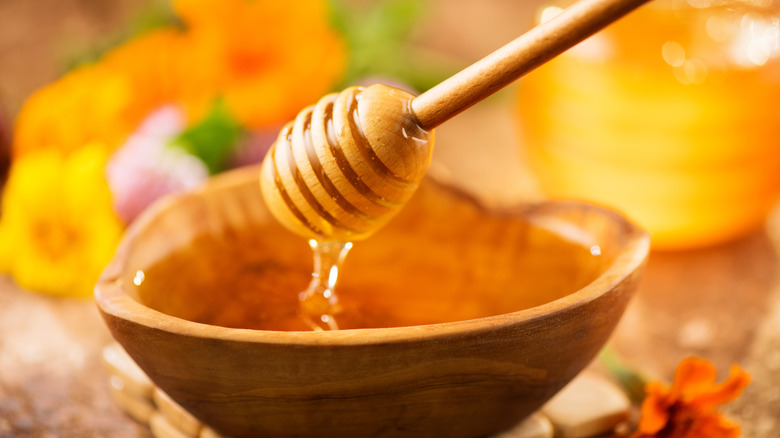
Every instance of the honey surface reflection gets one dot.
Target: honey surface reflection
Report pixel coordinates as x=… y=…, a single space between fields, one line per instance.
x=438 y=261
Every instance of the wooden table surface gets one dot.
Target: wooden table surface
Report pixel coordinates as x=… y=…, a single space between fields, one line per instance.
x=720 y=303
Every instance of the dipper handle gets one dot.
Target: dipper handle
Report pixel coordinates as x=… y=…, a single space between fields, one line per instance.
x=346 y=165
x=517 y=58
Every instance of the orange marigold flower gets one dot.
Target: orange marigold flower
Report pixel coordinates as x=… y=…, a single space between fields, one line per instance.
x=104 y=102
x=266 y=59
x=89 y=104
x=688 y=409
x=164 y=67
x=269 y=59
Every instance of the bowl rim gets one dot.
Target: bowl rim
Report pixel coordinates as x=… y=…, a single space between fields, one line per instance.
x=112 y=300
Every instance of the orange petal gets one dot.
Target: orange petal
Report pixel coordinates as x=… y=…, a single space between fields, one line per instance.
x=694 y=376
x=655 y=409
x=722 y=393
x=712 y=425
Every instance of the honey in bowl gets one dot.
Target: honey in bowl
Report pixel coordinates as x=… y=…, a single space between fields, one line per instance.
x=437 y=261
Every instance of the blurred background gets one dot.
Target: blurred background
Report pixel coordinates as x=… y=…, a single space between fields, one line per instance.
x=42 y=38
x=672 y=118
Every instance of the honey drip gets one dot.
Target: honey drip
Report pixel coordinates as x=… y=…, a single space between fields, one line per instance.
x=319 y=303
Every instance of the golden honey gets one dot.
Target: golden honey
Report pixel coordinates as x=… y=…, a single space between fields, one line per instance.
x=438 y=261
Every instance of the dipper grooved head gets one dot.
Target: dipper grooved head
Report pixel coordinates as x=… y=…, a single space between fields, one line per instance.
x=346 y=165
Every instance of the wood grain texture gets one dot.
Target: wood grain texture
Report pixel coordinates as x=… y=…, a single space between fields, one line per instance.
x=346 y=165
x=461 y=379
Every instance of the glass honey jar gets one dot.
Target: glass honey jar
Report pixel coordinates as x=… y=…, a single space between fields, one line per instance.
x=671 y=115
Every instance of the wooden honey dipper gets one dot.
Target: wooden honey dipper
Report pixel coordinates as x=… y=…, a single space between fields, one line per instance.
x=346 y=165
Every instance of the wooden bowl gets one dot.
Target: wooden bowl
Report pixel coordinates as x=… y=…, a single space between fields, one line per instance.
x=465 y=378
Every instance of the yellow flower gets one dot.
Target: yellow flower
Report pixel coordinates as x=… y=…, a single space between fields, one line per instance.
x=269 y=59
x=58 y=229
x=86 y=105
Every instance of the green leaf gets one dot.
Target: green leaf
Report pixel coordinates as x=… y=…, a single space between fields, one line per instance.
x=632 y=381
x=379 y=35
x=213 y=139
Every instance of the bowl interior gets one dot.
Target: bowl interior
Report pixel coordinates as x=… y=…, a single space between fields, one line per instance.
x=223 y=260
